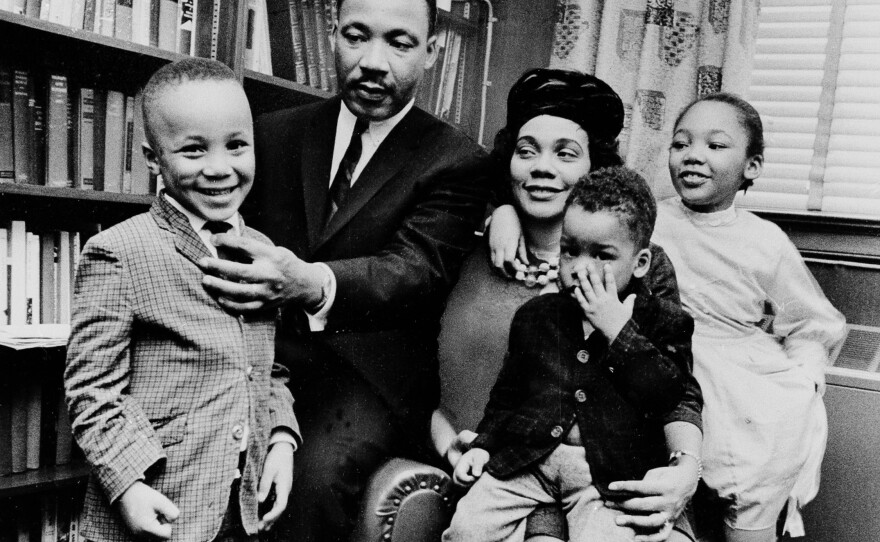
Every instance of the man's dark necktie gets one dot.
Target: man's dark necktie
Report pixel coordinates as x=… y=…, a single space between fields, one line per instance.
x=341 y=184
x=218 y=226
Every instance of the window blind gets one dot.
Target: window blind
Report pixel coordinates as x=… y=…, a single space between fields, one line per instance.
x=816 y=83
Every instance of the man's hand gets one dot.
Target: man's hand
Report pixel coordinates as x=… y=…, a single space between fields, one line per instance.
x=470 y=467
x=275 y=276
x=598 y=298
x=146 y=512
x=665 y=492
x=277 y=476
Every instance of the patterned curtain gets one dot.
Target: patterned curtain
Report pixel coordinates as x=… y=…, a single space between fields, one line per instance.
x=658 y=55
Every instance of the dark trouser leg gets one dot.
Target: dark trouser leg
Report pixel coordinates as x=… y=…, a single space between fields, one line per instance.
x=347 y=432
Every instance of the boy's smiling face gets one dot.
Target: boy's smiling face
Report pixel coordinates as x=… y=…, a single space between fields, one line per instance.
x=203 y=145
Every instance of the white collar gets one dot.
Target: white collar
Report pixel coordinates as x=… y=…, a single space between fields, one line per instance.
x=714 y=219
x=198 y=222
x=378 y=130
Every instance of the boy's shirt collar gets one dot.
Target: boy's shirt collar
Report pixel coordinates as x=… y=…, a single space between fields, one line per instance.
x=198 y=223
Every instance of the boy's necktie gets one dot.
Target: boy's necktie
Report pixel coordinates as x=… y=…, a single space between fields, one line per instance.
x=215 y=227
x=342 y=181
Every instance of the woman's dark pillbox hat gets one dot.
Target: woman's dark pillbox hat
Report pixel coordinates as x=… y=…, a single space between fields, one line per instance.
x=584 y=99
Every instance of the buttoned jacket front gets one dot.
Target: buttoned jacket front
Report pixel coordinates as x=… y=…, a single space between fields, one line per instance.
x=620 y=394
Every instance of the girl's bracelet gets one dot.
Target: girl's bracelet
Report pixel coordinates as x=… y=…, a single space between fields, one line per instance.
x=679 y=453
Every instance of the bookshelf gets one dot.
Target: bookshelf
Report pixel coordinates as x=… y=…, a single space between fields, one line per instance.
x=94 y=60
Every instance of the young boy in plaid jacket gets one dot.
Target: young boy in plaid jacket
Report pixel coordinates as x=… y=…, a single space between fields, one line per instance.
x=597 y=379
x=178 y=405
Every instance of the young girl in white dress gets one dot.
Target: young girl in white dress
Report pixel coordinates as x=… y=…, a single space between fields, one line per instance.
x=763 y=327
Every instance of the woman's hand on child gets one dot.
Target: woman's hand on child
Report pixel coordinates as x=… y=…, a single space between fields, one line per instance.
x=506 y=241
x=277 y=479
x=470 y=467
x=666 y=491
x=598 y=298
x=459 y=446
x=274 y=276
x=148 y=513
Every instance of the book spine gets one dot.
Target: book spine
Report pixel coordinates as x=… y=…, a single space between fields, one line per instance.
x=250 y=53
x=48 y=282
x=49 y=518
x=140 y=174
x=19 y=7
x=86 y=140
x=77 y=14
x=56 y=147
x=310 y=42
x=329 y=18
x=262 y=47
x=33 y=9
x=114 y=141
x=7 y=147
x=60 y=12
x=17 y=271
x=299 y=45
x=64 y=440
x=140 y=21
x=19 y=426
x=64 y=281
x=154 y=23
x=129 y=144
x=23 y=125
x=106 y=17
x=168 y=25
x=32 y=279
x=203 y=30
x=45 y=6
x=89 y=18
x=38 y=157
x=122 y=26
x=98 y=127
x=4 y=283
x=185 y=26
x=72 y=138
x=5 y=418
x=320 y=42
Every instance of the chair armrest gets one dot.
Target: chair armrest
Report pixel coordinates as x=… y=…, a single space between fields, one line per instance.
x=406 y=501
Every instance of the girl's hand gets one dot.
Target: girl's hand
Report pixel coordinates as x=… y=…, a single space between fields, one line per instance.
x=598 y=298
x=506 y=242
x=665 y=493
x=470 y=467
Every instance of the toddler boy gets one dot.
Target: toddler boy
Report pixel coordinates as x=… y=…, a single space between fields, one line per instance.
x=592 y=376
x=179 y=406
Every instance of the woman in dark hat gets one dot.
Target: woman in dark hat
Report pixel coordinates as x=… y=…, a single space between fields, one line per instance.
x=560 y=126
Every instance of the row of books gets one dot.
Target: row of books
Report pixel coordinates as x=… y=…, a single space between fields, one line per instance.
x=36 y=273
x=34 y=420
x=50 y=518
x=444 y=91
x=58 y=134
x=191 y=27
x=299 y=38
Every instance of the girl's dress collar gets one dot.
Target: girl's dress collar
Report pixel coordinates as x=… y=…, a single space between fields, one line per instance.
x=714 y=219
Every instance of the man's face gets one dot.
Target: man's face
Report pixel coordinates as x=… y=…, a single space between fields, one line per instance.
x=382 y=49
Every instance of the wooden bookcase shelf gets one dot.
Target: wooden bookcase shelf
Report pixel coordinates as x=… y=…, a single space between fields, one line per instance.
x=68 y=208
x=269 y=93
x=43 y=479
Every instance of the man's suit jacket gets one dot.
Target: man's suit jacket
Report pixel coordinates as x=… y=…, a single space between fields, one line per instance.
x=395 y=246
x=620 y=394
x=161 y=380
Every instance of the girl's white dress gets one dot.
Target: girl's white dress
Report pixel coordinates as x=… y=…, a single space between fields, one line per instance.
x=763 y=331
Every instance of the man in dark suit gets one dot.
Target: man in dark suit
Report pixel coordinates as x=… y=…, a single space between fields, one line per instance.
x=373 y=204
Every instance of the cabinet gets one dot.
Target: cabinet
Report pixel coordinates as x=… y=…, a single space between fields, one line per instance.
x=91 y=59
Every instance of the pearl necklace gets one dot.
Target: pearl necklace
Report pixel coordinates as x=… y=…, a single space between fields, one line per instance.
x=537 y=275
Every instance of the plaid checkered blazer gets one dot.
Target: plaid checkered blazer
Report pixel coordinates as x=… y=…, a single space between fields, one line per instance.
x=161 y=380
